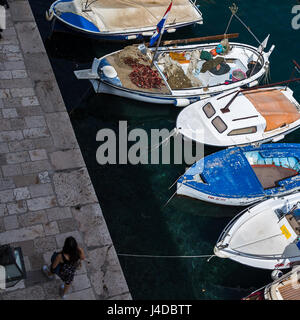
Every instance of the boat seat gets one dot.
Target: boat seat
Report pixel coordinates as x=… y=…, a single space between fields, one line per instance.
x=270 y=175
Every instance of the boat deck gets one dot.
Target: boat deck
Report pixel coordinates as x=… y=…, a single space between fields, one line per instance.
x=124 y=72
x=287 y=289
x=174 y=70
x=196 y=71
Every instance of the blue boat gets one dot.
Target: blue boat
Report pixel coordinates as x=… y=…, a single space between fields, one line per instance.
x=120 y=20
x=243 y=175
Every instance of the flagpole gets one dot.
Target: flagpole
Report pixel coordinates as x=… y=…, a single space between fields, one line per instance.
x=157 y=46
x=164 y=20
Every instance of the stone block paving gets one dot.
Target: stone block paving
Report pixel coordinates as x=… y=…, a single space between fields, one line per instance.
x=46 y=193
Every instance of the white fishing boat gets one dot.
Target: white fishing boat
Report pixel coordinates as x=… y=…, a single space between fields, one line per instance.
x=179 y=74
x=120 y=19
x=265 y=236
x=256 y=116
x=285 y=287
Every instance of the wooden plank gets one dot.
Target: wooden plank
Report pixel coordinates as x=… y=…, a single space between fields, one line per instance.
x=201 y=39
x=289 y=293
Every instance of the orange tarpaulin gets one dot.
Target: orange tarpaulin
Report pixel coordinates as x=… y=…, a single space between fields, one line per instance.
x=274 y=106
x=179 y=57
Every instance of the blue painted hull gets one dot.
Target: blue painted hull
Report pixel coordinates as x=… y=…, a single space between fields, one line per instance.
x=58 y=26
x=228 y=177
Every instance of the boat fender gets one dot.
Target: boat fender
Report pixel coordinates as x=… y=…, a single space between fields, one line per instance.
x=172 y=30
x=276 y=139
x=49 y=15
x=182 y=102
x=132 y=37
x=276 y=274
x=148 y=33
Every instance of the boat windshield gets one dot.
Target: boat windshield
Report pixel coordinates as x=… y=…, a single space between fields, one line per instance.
x=285 y=210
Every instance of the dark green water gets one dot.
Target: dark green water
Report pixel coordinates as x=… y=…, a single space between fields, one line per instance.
x=132 y=197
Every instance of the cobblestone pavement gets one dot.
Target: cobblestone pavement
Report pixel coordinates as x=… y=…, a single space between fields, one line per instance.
x=45 y=190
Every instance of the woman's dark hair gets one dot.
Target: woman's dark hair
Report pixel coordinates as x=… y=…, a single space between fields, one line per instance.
x=71 y=249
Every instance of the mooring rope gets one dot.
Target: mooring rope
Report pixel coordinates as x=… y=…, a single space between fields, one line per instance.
x=248 y=28
x=173 y=195
x=167 y=257
x=173 y=133
x=175 y=182
x=234 y=9
x=225 y=33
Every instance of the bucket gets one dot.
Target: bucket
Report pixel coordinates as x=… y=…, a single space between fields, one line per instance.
x=238 y=75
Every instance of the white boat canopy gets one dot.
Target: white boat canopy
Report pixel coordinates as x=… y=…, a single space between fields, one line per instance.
x=120 y=15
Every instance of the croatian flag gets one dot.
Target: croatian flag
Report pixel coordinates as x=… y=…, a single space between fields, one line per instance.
x=160 y=28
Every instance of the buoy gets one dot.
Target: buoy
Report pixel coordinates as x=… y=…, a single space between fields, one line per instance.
x=49 y=15
x=276 y=274
x=278 y=138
